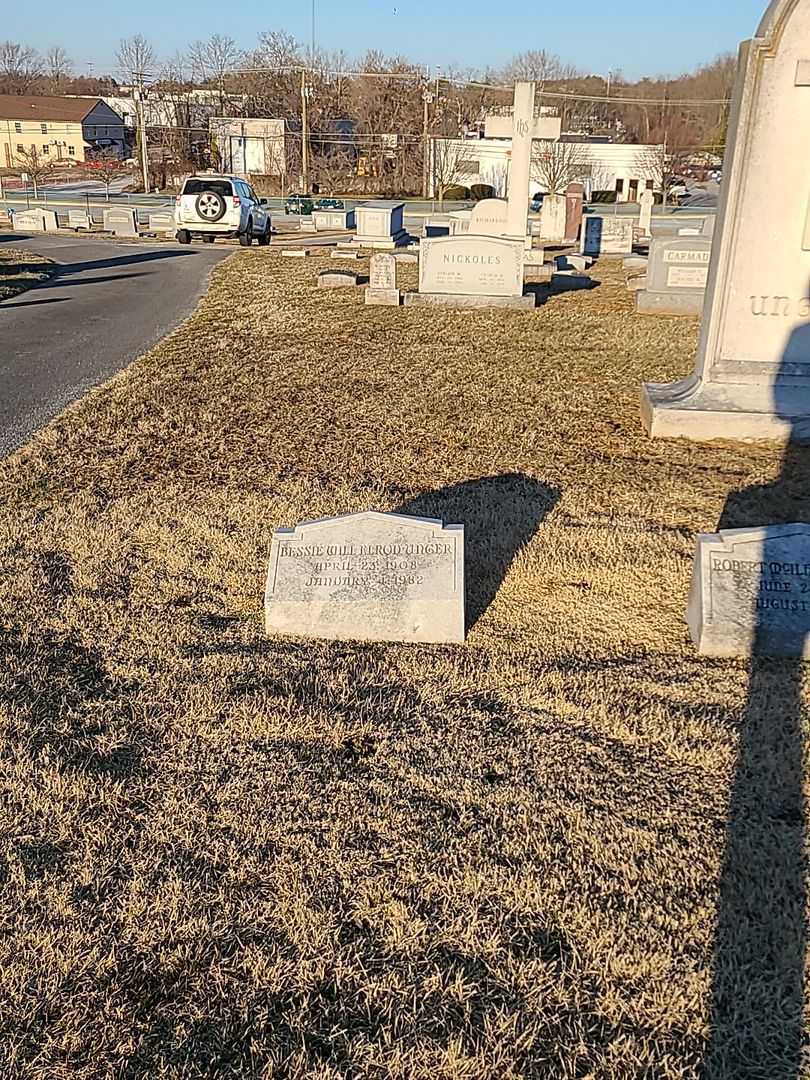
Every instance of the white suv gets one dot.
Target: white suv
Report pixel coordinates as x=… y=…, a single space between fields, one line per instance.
x=212 y=206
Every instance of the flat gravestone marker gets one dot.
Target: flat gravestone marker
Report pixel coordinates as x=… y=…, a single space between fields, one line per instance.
x=751 y=592
x=368 y=577
x=337 y=279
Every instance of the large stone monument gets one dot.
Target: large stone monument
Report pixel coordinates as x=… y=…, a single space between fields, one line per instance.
x=752 y=373
x=368 y=577
x=380 y=225
x=35 y=220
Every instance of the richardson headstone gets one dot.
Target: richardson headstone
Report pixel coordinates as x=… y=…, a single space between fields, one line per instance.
x=677 y=273
x=161 y=221
x=552 y=218
x=751 y=592
x=380 y=225
x=752 y=372
x=489 y=217
x=78 y=219
x=35 y=220
x=646 y=202
x=121 y=221
x=382 y=287
x=368 y=577
x=471 y=271
x=607 y=234
x=574 y=207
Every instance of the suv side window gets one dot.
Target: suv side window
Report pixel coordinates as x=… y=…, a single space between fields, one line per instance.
x=244 y=191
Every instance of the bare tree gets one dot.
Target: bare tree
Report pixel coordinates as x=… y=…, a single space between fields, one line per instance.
x=447 y=153
x=58 y=67
x=212 y=61
x=556 y=164
x=20 y=67
x=36 y=165
x=537 y=65
x=107 y=167
x=136 y=57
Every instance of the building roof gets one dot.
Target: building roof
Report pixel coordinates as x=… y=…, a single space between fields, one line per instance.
x=34 y=107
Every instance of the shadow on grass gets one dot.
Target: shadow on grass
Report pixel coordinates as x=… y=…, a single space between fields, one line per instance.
x=758 y=994
x=545 y=291
x=500 y=515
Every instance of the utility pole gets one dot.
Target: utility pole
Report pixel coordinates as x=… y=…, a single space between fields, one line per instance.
x=427 y=98
x=140 y=93
x=304 y=134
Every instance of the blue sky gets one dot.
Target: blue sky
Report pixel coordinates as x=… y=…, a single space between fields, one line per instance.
x=637 y=36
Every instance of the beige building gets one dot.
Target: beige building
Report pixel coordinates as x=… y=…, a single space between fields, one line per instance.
x=58 y=129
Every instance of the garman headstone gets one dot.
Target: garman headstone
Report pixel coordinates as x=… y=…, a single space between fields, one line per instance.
x=121 y=221
x=677 y=272
x=162 y=221
x=607 y=234
x=368 y=577
x=751 y=592
x=752 y=373
x=382 y=288
x=78 y=219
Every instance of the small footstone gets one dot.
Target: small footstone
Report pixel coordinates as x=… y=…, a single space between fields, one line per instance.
x=336 y=279
x=383 y=297
x=296 y=253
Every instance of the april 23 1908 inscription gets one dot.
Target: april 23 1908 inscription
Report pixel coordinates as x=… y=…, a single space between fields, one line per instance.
x=368 y=577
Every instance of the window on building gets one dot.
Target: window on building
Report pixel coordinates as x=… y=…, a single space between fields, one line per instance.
x=46 y=150
x=44 y=129
x=619 y=187
x=18 y=128
x=650 y=185
x=469 y=168
x=20 y=148
x=71 y=151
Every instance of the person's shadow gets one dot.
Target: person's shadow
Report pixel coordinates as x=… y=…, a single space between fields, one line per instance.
x=500 y=515
x=757 y=1024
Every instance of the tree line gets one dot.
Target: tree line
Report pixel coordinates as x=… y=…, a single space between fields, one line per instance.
x=390 y=105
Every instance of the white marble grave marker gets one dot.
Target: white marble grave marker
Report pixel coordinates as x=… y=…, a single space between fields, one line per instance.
x=368 y=577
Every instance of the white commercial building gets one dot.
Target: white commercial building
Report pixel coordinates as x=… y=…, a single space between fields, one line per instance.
x=250 y=146
x=627 y=169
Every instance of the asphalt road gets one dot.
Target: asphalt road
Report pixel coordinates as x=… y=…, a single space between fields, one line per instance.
x=109 y=303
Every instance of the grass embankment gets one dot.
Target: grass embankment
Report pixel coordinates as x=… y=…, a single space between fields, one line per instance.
x=228 y=856
x=19 y=270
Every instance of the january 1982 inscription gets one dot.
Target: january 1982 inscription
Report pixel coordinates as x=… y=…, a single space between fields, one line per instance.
x=368 y=576
x=751 y=592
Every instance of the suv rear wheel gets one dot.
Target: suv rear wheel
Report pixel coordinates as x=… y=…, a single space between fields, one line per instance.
x=210 y=206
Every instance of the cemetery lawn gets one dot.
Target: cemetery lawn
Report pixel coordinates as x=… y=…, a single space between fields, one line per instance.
x=227 y=856
x=19 y=270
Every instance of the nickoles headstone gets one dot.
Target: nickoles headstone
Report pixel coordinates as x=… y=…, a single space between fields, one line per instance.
x=751 y=592
x=752 y=372
x=471 y=271
x=368 y=577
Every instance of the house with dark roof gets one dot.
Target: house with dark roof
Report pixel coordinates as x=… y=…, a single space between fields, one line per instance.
x=68 y=129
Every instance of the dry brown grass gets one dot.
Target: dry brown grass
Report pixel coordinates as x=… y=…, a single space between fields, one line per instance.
x=19 y=270
x=227 y=856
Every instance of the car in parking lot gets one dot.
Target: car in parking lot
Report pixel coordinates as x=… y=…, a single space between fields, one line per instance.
x=211 y=206
x=330 y=204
